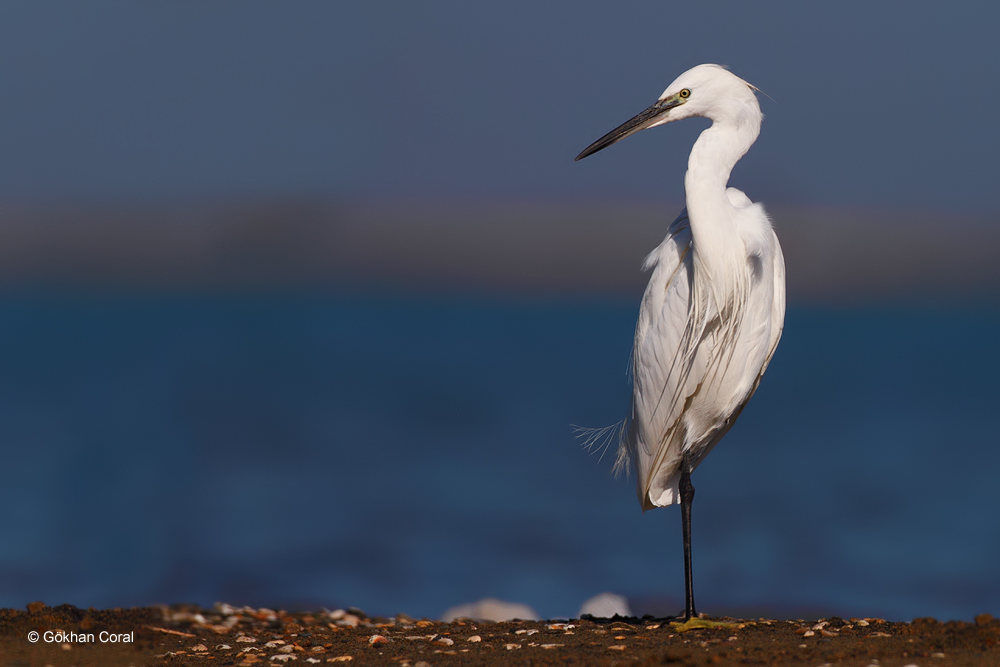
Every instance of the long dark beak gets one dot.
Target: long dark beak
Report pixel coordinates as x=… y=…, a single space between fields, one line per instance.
x=633 y=125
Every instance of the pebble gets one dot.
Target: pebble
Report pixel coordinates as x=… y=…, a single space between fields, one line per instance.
x=617 y=647
x=274 y=643
x=286 y=649
x=475 y=639
x=341 y=658
x=377 y=639
x=283 y=658
x=223 y=647
x=225 y=609
x=937 y=655
x=187 y=616
x=808 y=633
x=861 y=622
x=562 y=626
x=444 y=641
x=525 y=632
x=511 y=647
x=552 y=645
x=199 y=647
x=246 y=639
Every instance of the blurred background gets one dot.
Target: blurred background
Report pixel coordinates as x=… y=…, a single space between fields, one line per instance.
x=299 y=301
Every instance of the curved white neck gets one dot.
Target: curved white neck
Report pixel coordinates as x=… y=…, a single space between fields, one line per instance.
x=712 y=159
x=711 y=215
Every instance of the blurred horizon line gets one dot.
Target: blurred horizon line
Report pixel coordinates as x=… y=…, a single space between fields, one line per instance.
x=831 y=254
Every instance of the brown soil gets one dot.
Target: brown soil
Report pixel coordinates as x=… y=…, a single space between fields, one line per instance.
x=226 y=636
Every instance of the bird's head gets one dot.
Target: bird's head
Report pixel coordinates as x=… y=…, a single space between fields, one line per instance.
x=710 y=91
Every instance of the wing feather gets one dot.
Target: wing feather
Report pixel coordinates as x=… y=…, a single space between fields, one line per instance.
x=660 y=363
x=698 y=356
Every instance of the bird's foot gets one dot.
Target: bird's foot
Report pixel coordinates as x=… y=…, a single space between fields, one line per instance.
x=695 y=623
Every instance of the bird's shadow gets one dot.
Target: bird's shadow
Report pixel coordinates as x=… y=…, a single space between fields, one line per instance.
x=631 y=620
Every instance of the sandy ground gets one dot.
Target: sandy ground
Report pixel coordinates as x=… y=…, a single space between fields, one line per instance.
x=242 y=636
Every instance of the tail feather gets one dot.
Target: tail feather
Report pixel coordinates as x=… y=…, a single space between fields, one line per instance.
x=599 y=440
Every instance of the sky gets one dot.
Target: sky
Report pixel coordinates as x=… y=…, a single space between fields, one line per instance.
x=889 y=105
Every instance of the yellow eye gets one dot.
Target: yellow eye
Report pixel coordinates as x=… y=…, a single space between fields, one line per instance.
x=685 y=94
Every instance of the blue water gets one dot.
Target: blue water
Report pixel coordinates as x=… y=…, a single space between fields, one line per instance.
x=409 y=453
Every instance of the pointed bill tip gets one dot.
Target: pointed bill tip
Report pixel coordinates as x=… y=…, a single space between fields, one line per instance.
x=632 y=125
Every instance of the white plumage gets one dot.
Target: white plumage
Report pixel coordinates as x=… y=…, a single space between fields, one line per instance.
x=714 y=308
x=699 y=350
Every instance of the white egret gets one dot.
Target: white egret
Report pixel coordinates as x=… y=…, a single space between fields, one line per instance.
x=714 y=308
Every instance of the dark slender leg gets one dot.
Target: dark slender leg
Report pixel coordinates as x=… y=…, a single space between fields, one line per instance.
x=687 y=495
